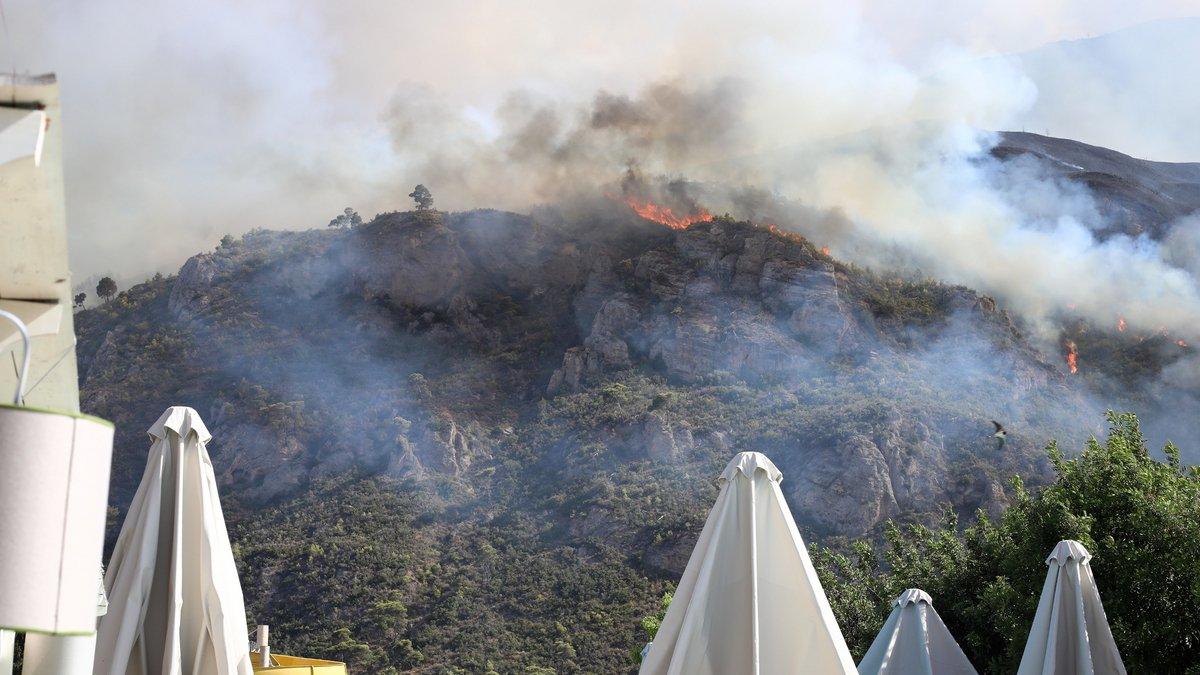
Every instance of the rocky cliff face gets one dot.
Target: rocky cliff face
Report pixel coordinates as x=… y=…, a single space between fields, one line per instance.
x=718 y=297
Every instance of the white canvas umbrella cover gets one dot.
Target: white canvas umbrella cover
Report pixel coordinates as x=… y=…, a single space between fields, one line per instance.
x=749 y=600
x=915 y=641
x=175 y=602
x=1070 y=633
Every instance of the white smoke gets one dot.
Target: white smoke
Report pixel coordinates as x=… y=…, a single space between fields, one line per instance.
x=922 y=192
x=185 y=122
x=1006 y=229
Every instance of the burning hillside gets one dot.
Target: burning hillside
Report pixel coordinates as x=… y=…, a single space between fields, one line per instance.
x=665 y=215
x=493 y=351
x=667 y=203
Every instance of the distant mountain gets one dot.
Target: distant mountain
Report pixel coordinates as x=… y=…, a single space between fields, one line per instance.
x=1132 y=89
x=1134 y=196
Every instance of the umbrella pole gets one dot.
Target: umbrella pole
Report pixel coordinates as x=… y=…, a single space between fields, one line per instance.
x=7 y=646
x=264 y=647
x=8 y=638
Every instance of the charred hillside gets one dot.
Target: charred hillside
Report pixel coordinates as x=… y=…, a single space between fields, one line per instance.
x=540 y=403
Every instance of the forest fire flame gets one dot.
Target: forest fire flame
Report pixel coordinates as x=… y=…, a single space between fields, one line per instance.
x=664 y=215
x=786 y=234
x=1072 y=356
x=1121 y=324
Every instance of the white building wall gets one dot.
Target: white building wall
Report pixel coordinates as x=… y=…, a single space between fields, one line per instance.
x=33 y=242
x=35 y=283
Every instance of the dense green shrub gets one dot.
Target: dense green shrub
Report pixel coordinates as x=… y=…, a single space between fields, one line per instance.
x=1139 y=517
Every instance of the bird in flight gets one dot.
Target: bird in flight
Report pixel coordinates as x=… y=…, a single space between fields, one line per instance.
x=1001 y=435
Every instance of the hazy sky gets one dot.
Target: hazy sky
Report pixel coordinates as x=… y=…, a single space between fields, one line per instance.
x=188 y=120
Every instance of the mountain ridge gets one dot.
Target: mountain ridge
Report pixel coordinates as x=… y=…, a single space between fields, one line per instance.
x=526 y=412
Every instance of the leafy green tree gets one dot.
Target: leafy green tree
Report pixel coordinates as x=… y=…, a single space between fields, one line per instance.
x=423 y=197
x=107 y=289
x=1139 y=517
x=347 y=218
x=651 y=623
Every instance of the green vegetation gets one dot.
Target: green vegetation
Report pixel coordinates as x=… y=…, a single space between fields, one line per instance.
x=355 y=570
x=920 y=303
x=1140 y=518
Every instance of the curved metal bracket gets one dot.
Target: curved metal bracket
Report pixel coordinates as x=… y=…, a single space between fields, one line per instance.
x=19 y=397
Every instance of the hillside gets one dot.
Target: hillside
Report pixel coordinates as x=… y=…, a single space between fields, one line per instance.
x=484 y=440
x=1134 y=196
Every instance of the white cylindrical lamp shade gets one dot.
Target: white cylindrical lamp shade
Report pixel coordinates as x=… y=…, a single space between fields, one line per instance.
x=54 y=471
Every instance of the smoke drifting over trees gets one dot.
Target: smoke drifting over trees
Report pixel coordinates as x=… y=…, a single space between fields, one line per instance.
x=928 y=196
x=286 y=123
x=870 y=140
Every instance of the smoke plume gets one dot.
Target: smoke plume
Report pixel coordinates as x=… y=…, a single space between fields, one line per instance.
x=186 y=123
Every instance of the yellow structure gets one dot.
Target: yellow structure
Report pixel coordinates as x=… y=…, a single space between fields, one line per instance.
x=295 y=665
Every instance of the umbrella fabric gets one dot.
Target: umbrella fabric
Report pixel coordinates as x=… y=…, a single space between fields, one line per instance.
x=1070 y=634
x=914 y=641
x=175 y=602
x=749 y=600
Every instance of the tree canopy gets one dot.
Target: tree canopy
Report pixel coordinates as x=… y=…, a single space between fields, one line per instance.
x=423 y=197
x=106 y=288
x=1139 y=517
x=347 y=218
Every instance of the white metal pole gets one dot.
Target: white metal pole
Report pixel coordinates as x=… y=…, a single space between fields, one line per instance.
x=63 y=654
x=264 y=646
x=58 y=654
x=8 y=643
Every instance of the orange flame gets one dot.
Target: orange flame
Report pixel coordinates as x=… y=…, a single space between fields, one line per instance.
x=665 y=216
x=1121 y=324
x=1181 y=343
x=779 y=231
x=1072 y=356
x=825 y=250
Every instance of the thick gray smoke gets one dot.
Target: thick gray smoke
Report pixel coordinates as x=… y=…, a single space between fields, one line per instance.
x=925 y=196
x=188 y=122
x=547 y=150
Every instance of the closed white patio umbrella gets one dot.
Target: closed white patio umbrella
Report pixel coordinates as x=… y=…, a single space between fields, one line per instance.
x=1070 y=633
x=175 y=602
x=914 y=641
x=749 y=601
